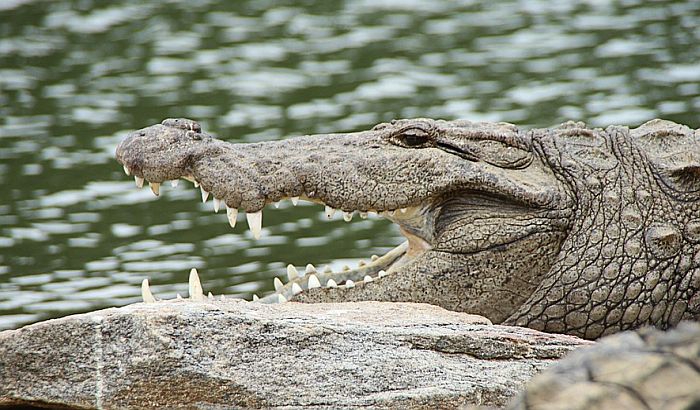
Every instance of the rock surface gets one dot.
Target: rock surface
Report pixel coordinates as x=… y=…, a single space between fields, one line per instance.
x=644 y=369
x=222 y=354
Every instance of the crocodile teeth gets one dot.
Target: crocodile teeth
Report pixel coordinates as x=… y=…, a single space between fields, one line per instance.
x=296 y=289
x=210 y=296
x=381 y=273
x=367 y=279
x=155 y=187
x=327 y=269
x=292 y=272
x=255 y=297
x=223 y=298
x=278 y=284
x=363 y=215
x=329 y=212
x=146 y=292
x=232 y=214
x=404 y=210
x=374 y=258
x=126 y=170
x=331 y=284
x=205 y=194
x=347 y=216
x=281 y=299
x=310 y=269
x=178 y=296
x=217 y=205
x=174 y=183
x=295 y=200
x=361 y=263
x=349 y=284
x=255 y=223
x=314 y=282
x=346 y=268
x=196 y=292
x=139 y=181
x=392 y=212
x=276 y=204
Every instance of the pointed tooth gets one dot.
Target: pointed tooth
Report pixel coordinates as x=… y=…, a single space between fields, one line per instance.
x=361 y=263
x=292 y=272
x=174 y=183
x=217 y=205
x=363 y=215
x=196 y=292
x=314 y=282
x=205 y=194
x=381 y=273
x=126 y=170
x=146 y=292
x=196 y=184
x=327 y=269
x=296 y=289
x=392 y=212
x=232 y=214
x=178 y=296
x=404 y=210
x=188 y=178
x=367 y=279
x=155 y=187
x=329 y=212
x=295 y=200
x=346 y=268
x=349 y=284
x=210 y=296
x=347 y=216
x=223 y=297
x=139 y=181
x=374 y=258
x=331 y=284
x=255 y=223
x=276 y=204
x=310 y=269
x=255 y=297
x=278 y=284
x=281 y=299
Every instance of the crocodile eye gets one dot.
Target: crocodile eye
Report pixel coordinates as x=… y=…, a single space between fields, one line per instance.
x=413 y=138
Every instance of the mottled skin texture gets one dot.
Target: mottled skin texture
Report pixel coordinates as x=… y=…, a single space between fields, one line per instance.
x=644 y=369
x=568 y=230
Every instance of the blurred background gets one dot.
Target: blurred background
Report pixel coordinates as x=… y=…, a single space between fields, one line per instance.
x=76 y=76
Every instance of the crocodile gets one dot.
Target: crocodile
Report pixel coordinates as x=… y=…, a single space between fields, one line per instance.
x=570 y=229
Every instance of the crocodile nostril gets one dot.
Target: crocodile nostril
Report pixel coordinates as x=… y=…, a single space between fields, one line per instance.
x=182 y=123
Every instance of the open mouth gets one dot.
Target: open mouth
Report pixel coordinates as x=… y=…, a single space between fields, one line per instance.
x=409 y=219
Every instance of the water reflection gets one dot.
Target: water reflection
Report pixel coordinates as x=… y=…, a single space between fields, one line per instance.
x=76 y=235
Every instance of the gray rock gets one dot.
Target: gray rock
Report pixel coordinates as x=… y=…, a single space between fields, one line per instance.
x=222 y=354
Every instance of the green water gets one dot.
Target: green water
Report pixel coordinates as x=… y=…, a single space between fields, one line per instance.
x=75 y=77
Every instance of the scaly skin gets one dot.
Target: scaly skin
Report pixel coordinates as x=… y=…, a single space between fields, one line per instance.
x=570 y=230
x=643 y=369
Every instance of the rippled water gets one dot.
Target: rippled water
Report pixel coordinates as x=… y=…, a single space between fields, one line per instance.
x=75 y=76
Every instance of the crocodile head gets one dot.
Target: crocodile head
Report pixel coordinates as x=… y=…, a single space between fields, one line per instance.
x=482 y=214
x=570 y=229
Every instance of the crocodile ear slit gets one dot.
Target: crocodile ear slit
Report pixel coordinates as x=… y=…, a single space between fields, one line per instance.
x=687 y=176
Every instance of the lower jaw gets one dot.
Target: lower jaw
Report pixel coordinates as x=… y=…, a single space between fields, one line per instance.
x=376 y=269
